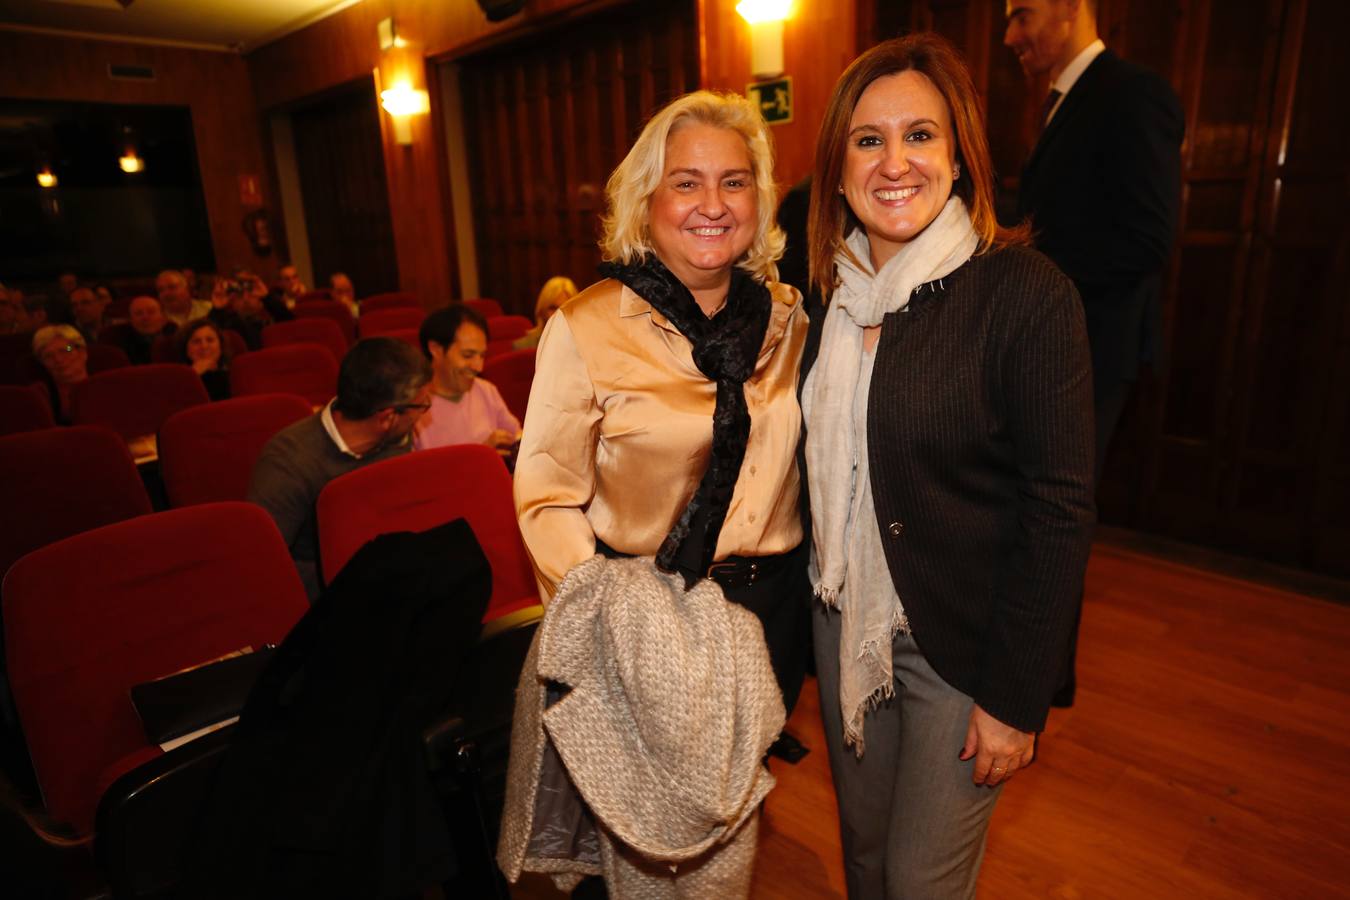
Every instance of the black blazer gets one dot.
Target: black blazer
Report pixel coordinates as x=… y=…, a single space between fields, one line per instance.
x=980 y=442
x=1103 y=190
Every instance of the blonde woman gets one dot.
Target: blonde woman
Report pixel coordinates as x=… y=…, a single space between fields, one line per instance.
x=555 y=292
x=663 y=419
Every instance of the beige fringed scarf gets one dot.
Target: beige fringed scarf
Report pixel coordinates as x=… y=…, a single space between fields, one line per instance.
x=837 y=471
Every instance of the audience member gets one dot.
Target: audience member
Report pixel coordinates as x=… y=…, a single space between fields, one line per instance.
x=292 y=288
x=176 y=298
x=11 y=308
x=383 y=386
x=555 y=292
x=67 y=282
x=62 y=351
x=465 y=409
x=89 y=312
x=106 y=295
x=343 y=291
x=202 y=346
x=242 y=303
x=137 y=336
x=32 y=310
x=190 y=276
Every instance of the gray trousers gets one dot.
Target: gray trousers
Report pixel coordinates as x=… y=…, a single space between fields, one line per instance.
x=913 y=824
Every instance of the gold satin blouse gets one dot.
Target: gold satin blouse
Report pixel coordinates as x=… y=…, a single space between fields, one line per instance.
x=619 y=428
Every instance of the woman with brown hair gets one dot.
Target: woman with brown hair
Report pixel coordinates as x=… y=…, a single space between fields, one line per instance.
x=949 y=462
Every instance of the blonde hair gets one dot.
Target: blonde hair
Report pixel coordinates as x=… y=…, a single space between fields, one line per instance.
x=58 y=332
x=627 y=231
x=555 y=292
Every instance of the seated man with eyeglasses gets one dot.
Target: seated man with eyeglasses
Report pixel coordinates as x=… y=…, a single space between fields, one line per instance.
x=383 y=389
x=465 y=409
x=63 y=354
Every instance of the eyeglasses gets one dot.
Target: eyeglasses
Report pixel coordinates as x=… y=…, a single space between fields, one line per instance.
x=408 y=407
x=51 y=352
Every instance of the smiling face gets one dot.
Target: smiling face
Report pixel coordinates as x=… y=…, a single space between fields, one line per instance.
x=204 y=345
x=455 y=367
x=1039 y=32
x=898 y=166
x=702 y=216
x=65 y=359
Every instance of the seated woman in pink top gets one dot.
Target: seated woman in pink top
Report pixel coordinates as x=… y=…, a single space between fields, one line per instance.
x=465 y=409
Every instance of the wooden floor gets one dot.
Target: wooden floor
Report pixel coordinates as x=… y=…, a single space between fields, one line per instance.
x=1208 y=756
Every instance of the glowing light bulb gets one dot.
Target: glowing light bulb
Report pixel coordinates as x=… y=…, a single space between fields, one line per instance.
x=757 y=11
x=46 y=179
x=130 y=162
x=403 y=100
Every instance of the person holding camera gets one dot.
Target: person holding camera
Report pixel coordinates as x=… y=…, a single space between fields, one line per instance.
x=242 y=303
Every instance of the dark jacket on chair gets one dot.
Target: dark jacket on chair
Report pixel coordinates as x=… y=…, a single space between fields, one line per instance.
x=325 y=792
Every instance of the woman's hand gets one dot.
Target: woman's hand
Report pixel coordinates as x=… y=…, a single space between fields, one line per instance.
x=202 y=364
x=999 y=750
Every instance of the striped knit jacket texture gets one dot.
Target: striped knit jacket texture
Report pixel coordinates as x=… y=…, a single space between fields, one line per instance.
x=980 y=443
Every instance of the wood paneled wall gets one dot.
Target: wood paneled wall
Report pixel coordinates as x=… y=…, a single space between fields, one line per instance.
x=215 y=86
x=1243 y=441
x=818 y=43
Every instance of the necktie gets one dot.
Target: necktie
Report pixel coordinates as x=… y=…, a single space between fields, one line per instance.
x=1049 y=104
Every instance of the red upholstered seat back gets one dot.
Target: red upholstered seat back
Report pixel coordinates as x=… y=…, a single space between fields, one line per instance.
x=512 y=374
x=24 y=408
x=322 y=332
x=392 y=300
x=422 y=490
x=502 y=328
x=90 y=617
x=486 y=308
x=383 y=321
x=61 y=481
x=326 y=309
x=207 y=453
x=302 y=369
x=136 y=400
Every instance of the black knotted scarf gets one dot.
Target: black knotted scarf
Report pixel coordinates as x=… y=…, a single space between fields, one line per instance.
x=725 y=349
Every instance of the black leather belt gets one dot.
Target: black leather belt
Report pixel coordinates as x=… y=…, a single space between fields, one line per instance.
x=743 y=571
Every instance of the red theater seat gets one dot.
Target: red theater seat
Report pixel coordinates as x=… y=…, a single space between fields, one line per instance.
x=207 y=453
x=90 y=617
x=61 y=481
x=503 y=328
x=302 y=369
x=393 y=300
x=136 y=400
x=422 y=490
x=323 y=332
x=486 y=308
x=512 y=374
x=24 y=408
x=317 y=294
x=383 y=321
x=336 y=313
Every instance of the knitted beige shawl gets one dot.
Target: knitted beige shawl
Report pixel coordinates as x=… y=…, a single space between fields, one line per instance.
x=671 y=708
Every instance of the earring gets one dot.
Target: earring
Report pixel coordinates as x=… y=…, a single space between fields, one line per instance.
x=956 y=171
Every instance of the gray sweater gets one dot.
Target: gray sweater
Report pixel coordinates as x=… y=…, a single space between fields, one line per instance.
x=294 y=467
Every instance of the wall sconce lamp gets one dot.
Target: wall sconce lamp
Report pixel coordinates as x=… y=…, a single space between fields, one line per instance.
x=766 y=34
x=46 y=179
x=402 y=102
x=130 y=162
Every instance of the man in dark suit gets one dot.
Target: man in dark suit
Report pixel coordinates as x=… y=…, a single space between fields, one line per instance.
x=1102 y=189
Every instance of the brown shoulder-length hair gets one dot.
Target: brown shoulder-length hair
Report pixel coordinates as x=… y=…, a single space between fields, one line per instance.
x=831 y=220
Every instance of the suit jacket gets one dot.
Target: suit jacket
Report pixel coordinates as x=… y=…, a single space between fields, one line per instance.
x=980 y=443
x=1103 y=189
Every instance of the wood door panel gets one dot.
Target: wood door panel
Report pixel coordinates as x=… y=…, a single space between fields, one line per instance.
x=1243 y=440
x=546 y=123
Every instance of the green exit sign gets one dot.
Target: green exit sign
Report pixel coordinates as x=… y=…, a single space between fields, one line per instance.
x=774 y=99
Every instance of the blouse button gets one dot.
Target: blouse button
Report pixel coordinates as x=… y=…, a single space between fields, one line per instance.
x=895 y=528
